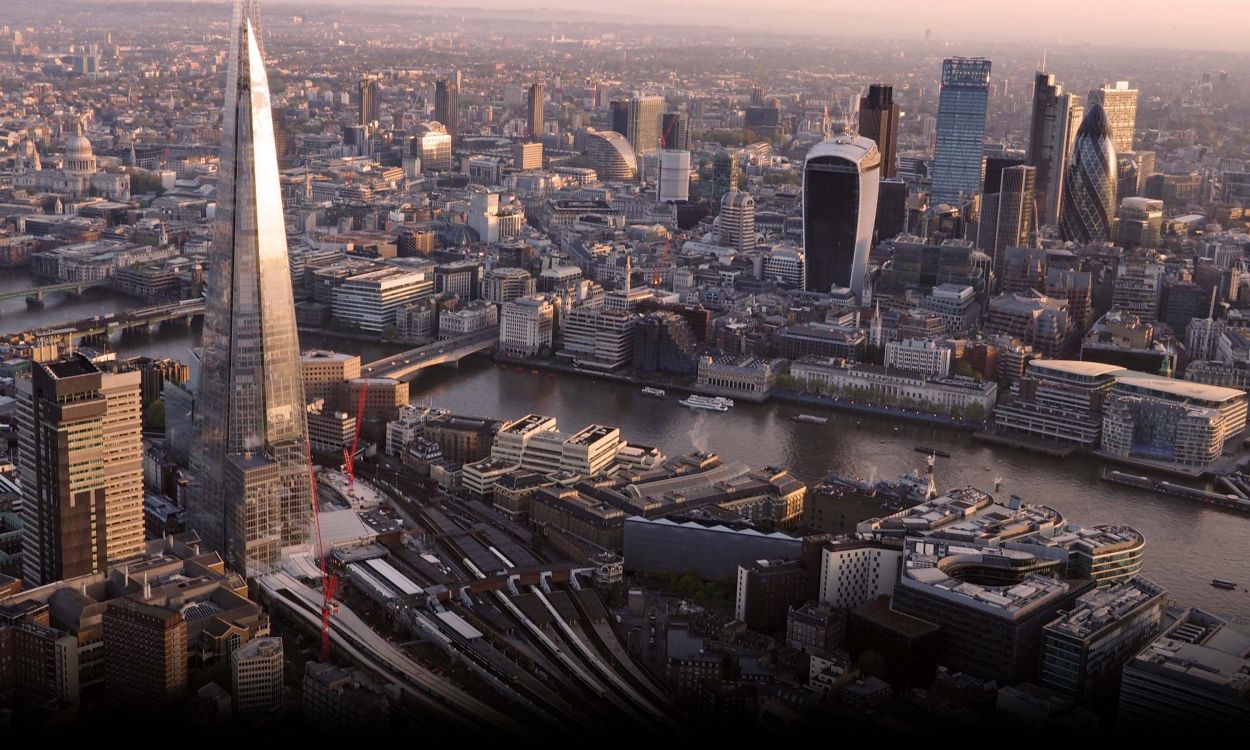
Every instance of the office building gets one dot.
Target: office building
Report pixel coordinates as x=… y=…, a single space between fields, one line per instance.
x=1192 y=676
x=1087 y=212
x=145 y=656
x=1084 y=650
x=534 y=110
x=991 y=629
x=527 y=156
x=430 y=147
x=958 y=162
x=1120 y=103
x=1059 y=400
x=368 y=301
x=840 y=180
x=878 y=122
x=674 y=182
x=339 y=700
x=256 y=677
x=725 y=174
x=676 y=131
x=1035 y=319
x=1171 y=423
x=447 y=106
x=1007 y=216
x=642 y=126
x=919 y=355
x=251 y=402
x=81 y=456
x=1139 y=223
x=737 y=221
x=766 y=592
x=325 y=372
x=525 y=325
x=370 y=101
x=853 y=573
x=611 y=156
x=1056 y=117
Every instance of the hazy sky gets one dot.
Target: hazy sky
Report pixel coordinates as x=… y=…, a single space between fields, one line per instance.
x=1192 y=24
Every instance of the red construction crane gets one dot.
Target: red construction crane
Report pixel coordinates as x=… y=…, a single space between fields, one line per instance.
x=349 y=456
x=657 y=278
x=328 y=580
x=667 y=131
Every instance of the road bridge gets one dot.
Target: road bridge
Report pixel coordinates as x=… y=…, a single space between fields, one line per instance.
x=406 y=365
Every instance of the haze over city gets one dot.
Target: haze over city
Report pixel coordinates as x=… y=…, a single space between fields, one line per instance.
x=699 y=372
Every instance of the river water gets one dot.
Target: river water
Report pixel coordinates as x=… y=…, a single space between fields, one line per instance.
x=1188 y=543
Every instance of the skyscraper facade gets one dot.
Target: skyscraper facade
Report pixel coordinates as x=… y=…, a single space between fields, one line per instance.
x=737 y=221
x=724 y=176
x=1088 y=208
x=534 y=110
x=250 y=493
x=1056 y=117
x=878 y=120
x=957 y=162
x=1120 y=103
x=840 y=182
x=1007 y=215
x=447 y=105
x=643 y=123
x=81 y=457
x=676 y=131
x=370 y=100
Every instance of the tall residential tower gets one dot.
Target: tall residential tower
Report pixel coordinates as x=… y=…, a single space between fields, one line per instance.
x=250 y=493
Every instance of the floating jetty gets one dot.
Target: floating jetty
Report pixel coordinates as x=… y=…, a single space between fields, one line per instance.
x=1220 y=500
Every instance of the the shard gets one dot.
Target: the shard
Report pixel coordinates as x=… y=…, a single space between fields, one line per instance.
x=251 y=493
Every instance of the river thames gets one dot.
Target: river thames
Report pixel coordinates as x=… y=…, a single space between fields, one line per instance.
x=1188 y=543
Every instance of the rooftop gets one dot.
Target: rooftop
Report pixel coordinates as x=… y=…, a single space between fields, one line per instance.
x=1103 y=607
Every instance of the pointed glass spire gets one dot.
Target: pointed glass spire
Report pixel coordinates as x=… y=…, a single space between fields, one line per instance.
x=250 y=493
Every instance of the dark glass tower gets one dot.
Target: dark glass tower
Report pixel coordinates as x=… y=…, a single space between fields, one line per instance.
x=878 y=120
x=250 y=492
x=840 y=183
x=957 y=162
x=370 y=101
x=1088 y=207
x=534 y=110
x=1056 y=116
x=676 y=131
x=447 y=106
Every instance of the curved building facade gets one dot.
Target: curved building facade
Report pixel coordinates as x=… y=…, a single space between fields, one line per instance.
x=840 y=181
x=737 y=220
x=1087 y=210
x=611 y=156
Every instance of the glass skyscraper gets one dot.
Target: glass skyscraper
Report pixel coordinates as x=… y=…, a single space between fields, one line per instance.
x=840 y=182
x=1088 y=208
x=878 y=120
x=1056 y=117
x=957 y=162
x=251 y=486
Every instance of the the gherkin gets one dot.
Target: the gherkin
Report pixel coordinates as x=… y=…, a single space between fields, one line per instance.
x=250 y=495
x=1087 y=212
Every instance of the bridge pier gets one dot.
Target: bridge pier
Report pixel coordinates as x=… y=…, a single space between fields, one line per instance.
x=35 y=301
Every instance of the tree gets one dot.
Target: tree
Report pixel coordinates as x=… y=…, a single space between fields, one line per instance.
x=871 y=664
x=154 y=415
x=390 y=333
